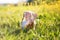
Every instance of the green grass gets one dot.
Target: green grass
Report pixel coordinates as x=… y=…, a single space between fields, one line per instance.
x=47 y=28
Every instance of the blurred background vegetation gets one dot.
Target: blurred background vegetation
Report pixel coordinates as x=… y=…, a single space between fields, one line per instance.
x=48 y=25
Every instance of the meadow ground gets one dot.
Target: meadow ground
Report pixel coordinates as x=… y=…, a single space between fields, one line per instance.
x=47 y=28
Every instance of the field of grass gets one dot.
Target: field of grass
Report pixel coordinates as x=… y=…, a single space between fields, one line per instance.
x=47 y=28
